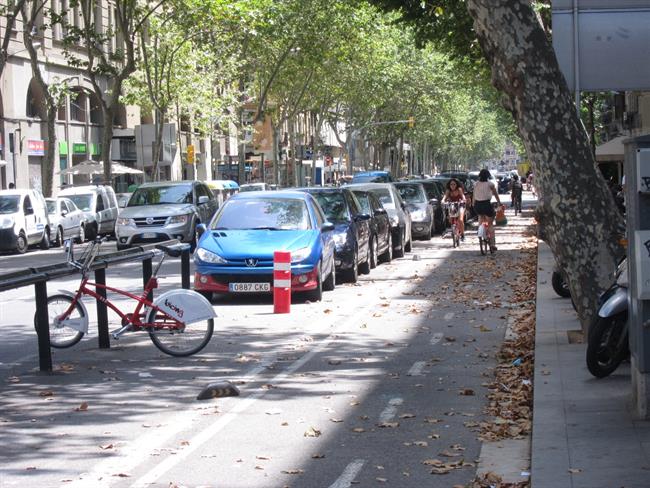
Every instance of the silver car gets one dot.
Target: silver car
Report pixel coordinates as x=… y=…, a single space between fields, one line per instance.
x=165 y=210
x=66 y=220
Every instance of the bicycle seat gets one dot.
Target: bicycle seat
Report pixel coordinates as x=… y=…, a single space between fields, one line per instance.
x=174 y=250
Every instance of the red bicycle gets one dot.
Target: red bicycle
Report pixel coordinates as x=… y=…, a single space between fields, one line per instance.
x=180 y=322
x=453 y=214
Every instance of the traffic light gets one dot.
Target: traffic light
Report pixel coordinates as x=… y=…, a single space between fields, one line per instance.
x=411 y=122
x=190 y=154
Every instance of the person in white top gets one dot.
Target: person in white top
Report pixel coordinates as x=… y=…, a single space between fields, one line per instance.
x=484 y=190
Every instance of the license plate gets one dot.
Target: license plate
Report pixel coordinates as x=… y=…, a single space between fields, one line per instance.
x=149 y=235
x=249 y=287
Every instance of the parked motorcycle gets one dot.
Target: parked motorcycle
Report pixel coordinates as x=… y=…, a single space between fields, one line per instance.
x=607 y=344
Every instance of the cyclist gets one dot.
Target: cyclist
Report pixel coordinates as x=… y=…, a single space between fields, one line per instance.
x=455 y=193
x=515 y=191
x=484 y=189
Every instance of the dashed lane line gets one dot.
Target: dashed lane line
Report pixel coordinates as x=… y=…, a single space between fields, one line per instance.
x=436 y=338
x=391 y=410
x=449 y=315
x=349 y=474
x=416 y=369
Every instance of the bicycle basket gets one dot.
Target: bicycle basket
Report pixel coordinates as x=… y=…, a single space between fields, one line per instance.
x=452 y=209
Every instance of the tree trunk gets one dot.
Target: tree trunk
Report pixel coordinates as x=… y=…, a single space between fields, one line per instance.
x=276 y=177
x=107 y=138
x=576 y=212
x=157 y=143
x=47 y=168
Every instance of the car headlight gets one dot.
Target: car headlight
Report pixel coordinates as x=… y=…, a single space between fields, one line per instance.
x=300 y=254
x=123 y=221
x=178 y=219
x=339 y=239
x=208 y=256
x=418 y=215
x=6 y=222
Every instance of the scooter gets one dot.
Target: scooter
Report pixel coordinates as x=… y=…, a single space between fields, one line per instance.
x=607 y=344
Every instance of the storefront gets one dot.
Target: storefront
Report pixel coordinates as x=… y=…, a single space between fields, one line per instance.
x=35 y=153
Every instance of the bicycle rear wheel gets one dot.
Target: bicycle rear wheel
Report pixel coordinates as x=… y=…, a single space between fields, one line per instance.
x=483 y=244
x=62 y=336
x=455 y=235
x=177 y=341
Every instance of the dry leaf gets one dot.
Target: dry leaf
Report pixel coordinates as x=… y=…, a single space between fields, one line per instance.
x=185 y=443
x=82 y=408
x=358 y=430
x=122 y=475
x=421 y=443
x=334 y=362
x=13 y=379
x=259 y=467
x=327 y=310
x=263 y=458
x=336 y=420
x=388 y=425
x=381 y=480
x=106 y=446
x=407 y=416
x=575 y=470
x=311 y=432
x=46 y=393
x=317 y=456
x=466 y=392
x=293 y=471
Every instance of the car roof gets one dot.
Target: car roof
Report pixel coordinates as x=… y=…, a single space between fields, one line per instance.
x=378 y=173
x=369 y=186
x=293 y=193
x=153 y=184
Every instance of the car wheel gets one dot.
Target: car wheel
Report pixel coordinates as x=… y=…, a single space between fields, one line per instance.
x=45 y=240
x=58 y=241
x=387 y=257
x=374 y=250
x=195 y=238
x=352 y=274
x=21 y=243
x=364 y=268
x=399 y=252
x=407 y=247
x=82 y=234
x=330 y=282
x=91 y=232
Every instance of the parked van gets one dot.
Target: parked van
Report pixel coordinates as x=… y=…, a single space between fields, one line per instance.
x=99 y=204
x=23 y=220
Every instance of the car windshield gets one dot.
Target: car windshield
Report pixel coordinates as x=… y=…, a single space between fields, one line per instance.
x=83 y=202
x=9 y=204
x=333 y=204
x=263 y=213
x=370 y=178
x=363 y=201
x=432 y=190
x=160 y=195
x=51 y=206
x=411 y=193
x=384 y=197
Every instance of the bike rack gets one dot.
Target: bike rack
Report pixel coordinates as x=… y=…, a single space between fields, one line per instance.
x=41 y=275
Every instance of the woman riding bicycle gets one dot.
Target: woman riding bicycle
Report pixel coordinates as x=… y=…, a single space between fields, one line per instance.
x=455 y=194
x=484 y=189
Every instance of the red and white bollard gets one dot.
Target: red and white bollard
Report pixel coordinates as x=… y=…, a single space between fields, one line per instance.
x=281 y=282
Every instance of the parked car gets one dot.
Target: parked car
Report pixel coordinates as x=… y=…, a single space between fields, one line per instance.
x=398 y=213
x=381 y=242
x=351 y=232
x=99 y=204
x=462 y=176
x=222 y=190
x=164 y=210
x=23 y=220
x=372 y=177
x=255 y=187
x=235 y=251
x=66 y=220
x=419 y=206
x=435 y=190
x=503 y=182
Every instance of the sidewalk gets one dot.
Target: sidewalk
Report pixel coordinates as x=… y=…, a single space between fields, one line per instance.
x=585 y=434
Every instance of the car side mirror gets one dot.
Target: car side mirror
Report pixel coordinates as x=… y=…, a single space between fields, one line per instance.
x=381 y=211
x=29 y=211
x=434 y=202
x=64 y=213
x=201 y=228
x=361 y=217
x=203 y=199
x=327 y=227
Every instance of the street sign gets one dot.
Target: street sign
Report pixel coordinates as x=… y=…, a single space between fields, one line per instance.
x=190 y=154
x=411 y=122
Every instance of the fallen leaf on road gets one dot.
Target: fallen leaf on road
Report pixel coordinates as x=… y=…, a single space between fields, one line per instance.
x=388 y=425
x=483 y=328
x=122 y=475
x=185 y=443
x=293 y=471
x=466 y=392
x=263 y=458
x=284 y=424
x=13 y=379
x=46 y=393
x=336 y=420
x=30 y=468
x=311 y=432
x=259 y=467
x=82 y=408
x=358 y=430
x=450 y=339
x=450 y=454
x=430 y=420
x=575 y=470
x=317 y=456
x=268 y=387
x=421 y=443
x=106 y=446
x=407 y=416
x=381 y=480
x=376 y=314
x=334 y=362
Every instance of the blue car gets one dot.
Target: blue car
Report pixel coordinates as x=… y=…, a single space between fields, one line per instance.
x=372 y=177
x=351 y=233
x=235 y=252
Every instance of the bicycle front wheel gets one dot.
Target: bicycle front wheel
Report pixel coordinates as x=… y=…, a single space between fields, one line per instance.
x=175 y=338
x=62 y=336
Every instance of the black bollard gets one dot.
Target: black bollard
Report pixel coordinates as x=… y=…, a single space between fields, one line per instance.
x=102 y=312
x=43 y=327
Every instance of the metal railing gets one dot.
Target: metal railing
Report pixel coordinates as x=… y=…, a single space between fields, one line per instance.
x=39 y=276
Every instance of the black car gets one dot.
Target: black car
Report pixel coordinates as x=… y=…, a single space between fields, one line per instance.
x=351 y=233
x=398 y=213
x=381 y=243
x=435 y=190
x=421 y=209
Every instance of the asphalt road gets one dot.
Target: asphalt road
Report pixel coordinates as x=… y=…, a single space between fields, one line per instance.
x=376 y=385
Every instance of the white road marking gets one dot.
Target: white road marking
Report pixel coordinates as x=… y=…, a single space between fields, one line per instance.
x=416 y=369
x=449 y=315
x=349 y=474
x=389 y=412
x=208 y=433
x=436 y=338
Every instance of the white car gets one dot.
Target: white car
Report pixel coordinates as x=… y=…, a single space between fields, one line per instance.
x=23 y=220
x=99 y=204
x=66 y=220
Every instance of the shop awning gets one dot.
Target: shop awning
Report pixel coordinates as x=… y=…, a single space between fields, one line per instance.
x=611 y=150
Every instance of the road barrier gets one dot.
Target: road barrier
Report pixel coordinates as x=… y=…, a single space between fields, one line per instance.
x=281 y=282
x=41 y=275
